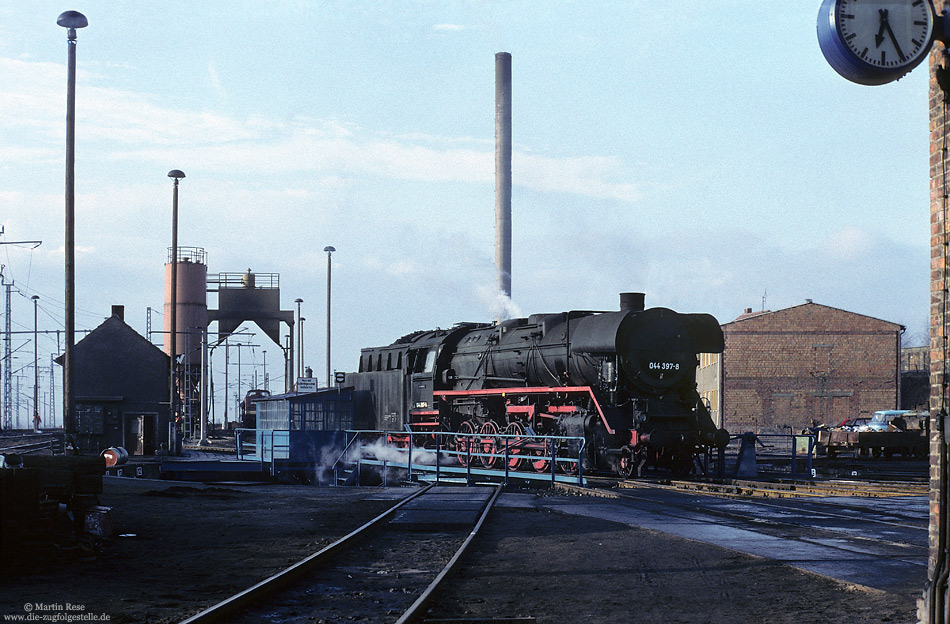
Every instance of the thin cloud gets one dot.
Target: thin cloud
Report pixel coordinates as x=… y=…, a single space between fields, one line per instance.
x=123 y=122
x=215 y=80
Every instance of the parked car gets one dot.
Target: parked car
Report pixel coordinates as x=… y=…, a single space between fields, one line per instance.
x=882 y=419
x=854 y=424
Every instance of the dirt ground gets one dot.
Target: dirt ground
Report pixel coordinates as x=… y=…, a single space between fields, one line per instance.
x=186 y=547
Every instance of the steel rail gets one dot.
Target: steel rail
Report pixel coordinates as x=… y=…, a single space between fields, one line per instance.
x=28 y=448
x=752 y=489
x=774 y=505
x=241 y=600
x=416 y=609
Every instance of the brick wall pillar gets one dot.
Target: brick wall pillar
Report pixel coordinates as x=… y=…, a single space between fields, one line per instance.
x=939 y=208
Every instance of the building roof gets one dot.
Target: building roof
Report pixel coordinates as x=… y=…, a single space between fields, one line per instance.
x=749 y=314
x=113 y=331
x=803 y=311
x=291 y=396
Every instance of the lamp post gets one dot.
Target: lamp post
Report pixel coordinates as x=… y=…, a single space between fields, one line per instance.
x=329 y=251
x=266 y=384
x=299 y=362
x=204 y=388
x=300 y=370
x=173 y=313
x=240 y=398
x=36 y=371
x=288 y=349
x=70 y=20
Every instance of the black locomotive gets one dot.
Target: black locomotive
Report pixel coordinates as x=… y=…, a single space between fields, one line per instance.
x=623 y=380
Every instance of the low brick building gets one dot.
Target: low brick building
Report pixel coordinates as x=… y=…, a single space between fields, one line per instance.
x=121 y=390
x=804 y=365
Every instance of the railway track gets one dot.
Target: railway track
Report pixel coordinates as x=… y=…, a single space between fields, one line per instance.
x=867 y=478
x=385 y=571
x=858 y=490
x=30 y=443
x=812 y=517
x=880 y=542
x=789 y=489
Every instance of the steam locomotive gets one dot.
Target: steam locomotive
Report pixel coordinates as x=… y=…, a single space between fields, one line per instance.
x=625 y=381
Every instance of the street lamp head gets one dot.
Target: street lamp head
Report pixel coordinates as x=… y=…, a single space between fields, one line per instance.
x=35 y=297
x=298 y=300
x=72 y=19
x=329 y=249
x=177 y=174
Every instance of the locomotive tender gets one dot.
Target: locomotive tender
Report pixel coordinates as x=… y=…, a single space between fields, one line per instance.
x=623 y=380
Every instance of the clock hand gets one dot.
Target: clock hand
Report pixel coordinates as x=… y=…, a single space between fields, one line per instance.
x=879 y=37
x=897 y=47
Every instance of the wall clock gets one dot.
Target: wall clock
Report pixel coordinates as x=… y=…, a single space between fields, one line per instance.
x=873 y=42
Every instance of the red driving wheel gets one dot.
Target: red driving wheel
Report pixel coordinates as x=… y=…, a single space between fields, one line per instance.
x=488 y=444
x=463 y=442
x=515 y=458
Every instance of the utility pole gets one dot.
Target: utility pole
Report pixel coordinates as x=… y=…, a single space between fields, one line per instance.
x=239 y=345
x=7 y=361
x=7 y=421
x=36 y=368
x=227 y=387
x=52 y=393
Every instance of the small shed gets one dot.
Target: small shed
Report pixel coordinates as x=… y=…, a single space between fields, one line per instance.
x=301 y=432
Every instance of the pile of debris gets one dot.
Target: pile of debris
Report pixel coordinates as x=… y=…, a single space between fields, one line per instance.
x=49 y=507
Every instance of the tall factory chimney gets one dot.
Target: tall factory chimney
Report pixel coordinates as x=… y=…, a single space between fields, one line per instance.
x=503 y=171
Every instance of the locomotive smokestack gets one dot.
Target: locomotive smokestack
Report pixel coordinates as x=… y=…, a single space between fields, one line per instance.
x=631 y=302
x=503 y=171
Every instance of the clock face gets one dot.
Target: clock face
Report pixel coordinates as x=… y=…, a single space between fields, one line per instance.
x=890 y=35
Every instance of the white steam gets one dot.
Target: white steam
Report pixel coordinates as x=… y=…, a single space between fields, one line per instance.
x=500 y=305
x=382 y=451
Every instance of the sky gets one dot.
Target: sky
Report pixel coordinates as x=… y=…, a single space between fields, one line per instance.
x=705 y=155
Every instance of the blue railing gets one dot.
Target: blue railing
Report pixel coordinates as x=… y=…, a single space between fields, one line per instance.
x=447 y=455
x=264 y=449
x=775 y=450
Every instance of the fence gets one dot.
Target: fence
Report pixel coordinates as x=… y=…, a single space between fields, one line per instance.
x=448 y=455
x=772 y=453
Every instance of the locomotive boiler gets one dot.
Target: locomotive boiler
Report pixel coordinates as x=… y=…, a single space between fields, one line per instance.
x=625 y=381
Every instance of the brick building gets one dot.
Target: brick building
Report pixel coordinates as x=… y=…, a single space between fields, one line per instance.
x=121 y=388
x=915 y=378
x=937 y=592
x=808 y=364
x=915 y=359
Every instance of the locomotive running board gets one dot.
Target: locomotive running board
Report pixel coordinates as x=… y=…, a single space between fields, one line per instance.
x=495 y=392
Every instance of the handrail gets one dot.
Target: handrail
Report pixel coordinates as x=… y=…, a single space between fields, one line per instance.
x=789 y=449
x=335 y=468
x=345 y=450
x=261 y=450
x=512 y=390
x=543 y=448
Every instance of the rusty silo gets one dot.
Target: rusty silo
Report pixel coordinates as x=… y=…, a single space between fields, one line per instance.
x=191 y=319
